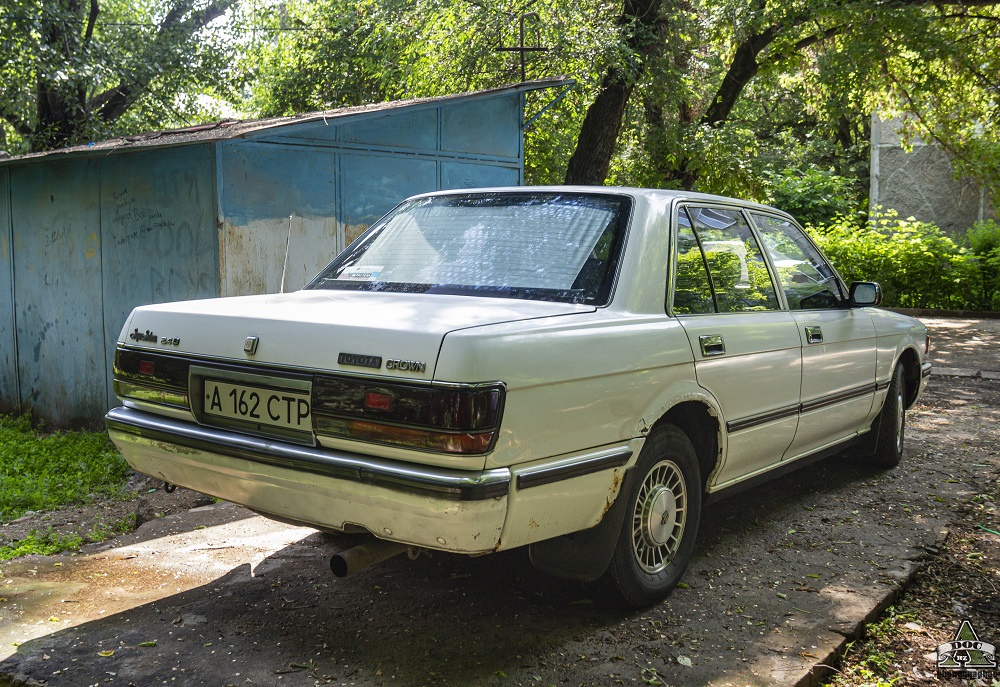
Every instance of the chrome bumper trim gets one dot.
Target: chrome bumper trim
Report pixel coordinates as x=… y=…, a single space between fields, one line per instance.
x=456 y=485
x=925 y=370
x=549 y=473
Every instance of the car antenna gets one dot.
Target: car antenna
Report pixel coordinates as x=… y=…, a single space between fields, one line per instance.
x=284 y=265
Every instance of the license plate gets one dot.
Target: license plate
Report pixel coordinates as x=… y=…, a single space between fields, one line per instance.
x=259 y=405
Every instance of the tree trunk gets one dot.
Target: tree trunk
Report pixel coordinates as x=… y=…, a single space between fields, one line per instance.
x=599 y=134
x=64 y=115
x=59 y=107
x=598 y=137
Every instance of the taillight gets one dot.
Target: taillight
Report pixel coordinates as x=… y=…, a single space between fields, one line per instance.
x=927 y=343
x=461 y=419
x=151 y=377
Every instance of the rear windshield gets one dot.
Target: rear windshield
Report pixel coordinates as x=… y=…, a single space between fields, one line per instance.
x=538 y=245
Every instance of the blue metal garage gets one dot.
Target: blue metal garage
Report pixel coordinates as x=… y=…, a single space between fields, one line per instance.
x=230 y=208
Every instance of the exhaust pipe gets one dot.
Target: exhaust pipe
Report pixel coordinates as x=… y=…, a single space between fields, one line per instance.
x=360 y=557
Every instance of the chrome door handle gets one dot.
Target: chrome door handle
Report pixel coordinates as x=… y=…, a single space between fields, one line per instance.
x=712 y=344
x=814 y=335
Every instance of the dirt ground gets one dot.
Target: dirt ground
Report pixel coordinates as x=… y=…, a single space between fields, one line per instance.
x=781 y=580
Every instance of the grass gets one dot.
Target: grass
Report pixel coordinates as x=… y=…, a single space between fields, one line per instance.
x=870 y=661
x=52 y=542
x=46 y=470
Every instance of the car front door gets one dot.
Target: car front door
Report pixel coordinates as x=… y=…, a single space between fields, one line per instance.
x=747 y=351
x=838 y=343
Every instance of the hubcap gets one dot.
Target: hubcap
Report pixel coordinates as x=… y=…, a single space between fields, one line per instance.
x=659 y=516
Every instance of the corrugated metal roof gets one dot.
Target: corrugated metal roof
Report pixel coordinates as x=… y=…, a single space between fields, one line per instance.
x=236 y=128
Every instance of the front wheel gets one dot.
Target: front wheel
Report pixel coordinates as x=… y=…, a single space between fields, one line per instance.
x=661 y=521
x=891 y=424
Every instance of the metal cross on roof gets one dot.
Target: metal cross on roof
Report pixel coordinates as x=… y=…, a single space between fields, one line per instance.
x=521 y=47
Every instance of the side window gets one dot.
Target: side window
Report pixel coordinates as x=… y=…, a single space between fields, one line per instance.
x=692 y=288
x=808 y=281
x=740 y=278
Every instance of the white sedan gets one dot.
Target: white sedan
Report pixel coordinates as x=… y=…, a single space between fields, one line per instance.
x=572 y=369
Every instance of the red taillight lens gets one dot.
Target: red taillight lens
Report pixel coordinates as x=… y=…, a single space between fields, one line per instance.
x=449 y=419
x=147 y=367
x=418 y=438
x=376 y=401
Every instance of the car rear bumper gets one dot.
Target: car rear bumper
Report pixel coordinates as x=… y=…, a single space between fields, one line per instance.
x=439 y=508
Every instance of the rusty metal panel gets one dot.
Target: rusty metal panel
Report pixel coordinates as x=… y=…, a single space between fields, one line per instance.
x=278 y=205
x=466 y=175
x=61 y=359
x=483 y=127
x=159 y=240
x=8 y=362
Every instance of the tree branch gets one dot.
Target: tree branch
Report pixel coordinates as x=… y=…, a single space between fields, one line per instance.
x=741 y=70
x=915 y=109
x=598 y=137
x=20 y=126
x=91 y=21
x=114 y=102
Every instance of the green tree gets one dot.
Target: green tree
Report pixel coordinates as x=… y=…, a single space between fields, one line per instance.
x=715 y=95
x=76 y=70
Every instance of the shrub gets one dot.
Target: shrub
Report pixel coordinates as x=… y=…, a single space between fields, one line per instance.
x=917 y=265
x=813 y=196
x=983 y=240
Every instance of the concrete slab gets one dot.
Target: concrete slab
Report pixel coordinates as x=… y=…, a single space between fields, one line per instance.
x=955 y=372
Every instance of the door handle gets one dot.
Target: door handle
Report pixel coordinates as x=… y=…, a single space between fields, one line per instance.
x=814 y=335
x=712 y=344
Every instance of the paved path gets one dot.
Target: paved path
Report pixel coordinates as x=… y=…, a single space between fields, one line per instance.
x=965 y=347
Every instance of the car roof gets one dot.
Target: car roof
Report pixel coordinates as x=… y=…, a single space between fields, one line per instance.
x=647 y=193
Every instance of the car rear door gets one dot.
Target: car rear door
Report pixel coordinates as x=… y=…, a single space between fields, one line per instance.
x=746 y=348
x=838 y=343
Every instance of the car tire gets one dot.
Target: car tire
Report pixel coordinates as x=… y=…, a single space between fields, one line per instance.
x=661 y=521
x=890 y=426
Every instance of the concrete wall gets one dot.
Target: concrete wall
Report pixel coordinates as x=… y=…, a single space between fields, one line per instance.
x=921 y=183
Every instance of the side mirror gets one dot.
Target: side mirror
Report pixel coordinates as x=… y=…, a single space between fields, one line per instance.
x=865 y=293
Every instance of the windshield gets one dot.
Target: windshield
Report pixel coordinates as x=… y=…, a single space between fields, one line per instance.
x=535 y=245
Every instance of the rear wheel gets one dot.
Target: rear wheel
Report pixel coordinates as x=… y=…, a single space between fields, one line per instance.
x=661 y=522
x=891 y=424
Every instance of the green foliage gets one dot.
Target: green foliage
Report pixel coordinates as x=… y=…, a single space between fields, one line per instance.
x=42 y=471
x=872 y=660
x=984 y=242
x=68 y=76
x=51 y=542
x=917 y=265
x=334 y=53
x=46 y=544
x=813 y=196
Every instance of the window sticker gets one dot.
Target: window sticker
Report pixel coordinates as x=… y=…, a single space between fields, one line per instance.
x=361 y=273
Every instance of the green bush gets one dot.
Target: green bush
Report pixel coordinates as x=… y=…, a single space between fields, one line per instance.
x=813 y=196
x=917 y=264
x=984 y=242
